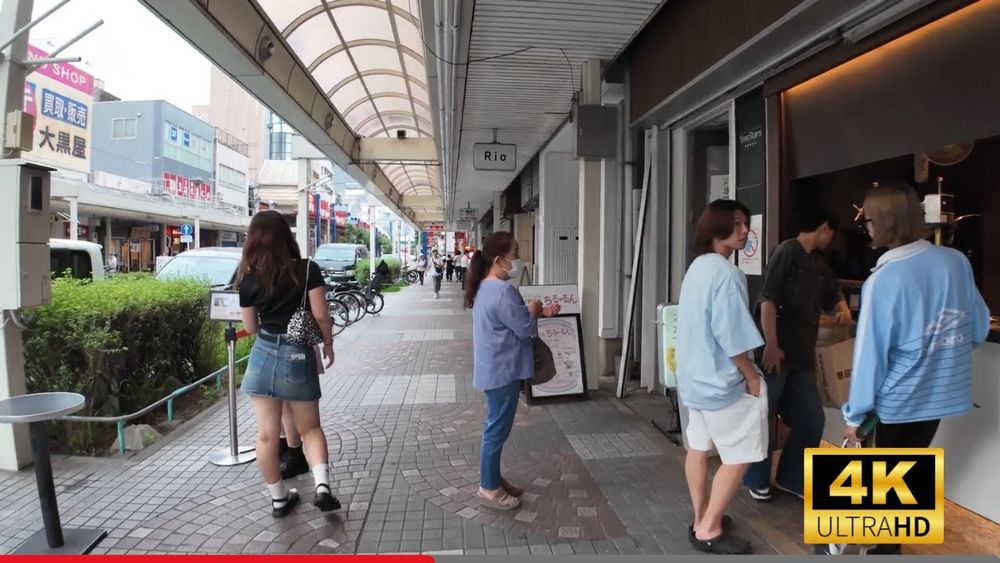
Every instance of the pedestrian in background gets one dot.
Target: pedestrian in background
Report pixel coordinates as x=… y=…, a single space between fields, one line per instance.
x=437 y=272
x=449 y=266
x=717 y=379
x=422 y=267
x=798 y=286
x=502 y=331
x=921 y=317
x=274 y=282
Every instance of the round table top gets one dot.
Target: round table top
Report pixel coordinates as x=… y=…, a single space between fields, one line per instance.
x=39 y=406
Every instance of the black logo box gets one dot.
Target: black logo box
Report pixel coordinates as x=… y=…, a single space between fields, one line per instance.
x=921 y=479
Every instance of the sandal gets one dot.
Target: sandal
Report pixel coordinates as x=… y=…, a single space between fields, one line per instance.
x=512 y=489
x=503 y=501
x=324 y=500
x=290 y=501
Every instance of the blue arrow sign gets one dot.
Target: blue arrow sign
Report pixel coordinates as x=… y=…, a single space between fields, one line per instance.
x=187 y=230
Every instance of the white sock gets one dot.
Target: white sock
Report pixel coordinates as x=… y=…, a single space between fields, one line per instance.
x=279 y=494
x=321 y=474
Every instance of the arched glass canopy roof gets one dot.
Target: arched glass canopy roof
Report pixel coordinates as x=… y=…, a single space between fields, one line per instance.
x=368 y=56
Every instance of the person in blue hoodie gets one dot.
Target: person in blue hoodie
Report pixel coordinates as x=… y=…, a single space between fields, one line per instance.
x=921 y=317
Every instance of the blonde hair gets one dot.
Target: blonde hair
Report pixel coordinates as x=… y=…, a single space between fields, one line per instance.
x=896 y=214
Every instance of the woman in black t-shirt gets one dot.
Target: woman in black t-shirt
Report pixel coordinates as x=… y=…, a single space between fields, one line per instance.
x=272 y=281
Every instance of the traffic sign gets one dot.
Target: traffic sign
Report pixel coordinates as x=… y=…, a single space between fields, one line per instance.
x=187 y=230
x=187 y=239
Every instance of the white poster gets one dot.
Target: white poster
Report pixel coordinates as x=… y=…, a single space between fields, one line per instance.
x=562 y=335
x=567 y=296
x=224 y=306
x=719 y=187
x=751 y=257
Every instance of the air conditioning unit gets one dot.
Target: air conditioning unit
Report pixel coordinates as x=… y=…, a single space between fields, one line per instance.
x=595 y=131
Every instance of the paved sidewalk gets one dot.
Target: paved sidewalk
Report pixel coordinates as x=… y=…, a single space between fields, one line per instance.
x=403 y=423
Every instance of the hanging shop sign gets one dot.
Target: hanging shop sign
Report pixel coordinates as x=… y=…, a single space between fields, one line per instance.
x=494 y=156
x=185 y=187
x=60 y=95
x=468 y=214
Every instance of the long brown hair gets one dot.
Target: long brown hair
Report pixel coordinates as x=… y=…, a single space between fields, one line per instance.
x=716 y=222
x=896 y=214
x=496 y=245
x=269 y=252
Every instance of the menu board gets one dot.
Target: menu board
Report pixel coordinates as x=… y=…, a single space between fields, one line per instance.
x=563 y=336
x=567 y=296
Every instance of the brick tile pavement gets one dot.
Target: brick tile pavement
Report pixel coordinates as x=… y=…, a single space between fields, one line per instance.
x=403 y=423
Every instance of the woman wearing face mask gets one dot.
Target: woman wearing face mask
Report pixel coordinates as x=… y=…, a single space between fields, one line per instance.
x=503 y=327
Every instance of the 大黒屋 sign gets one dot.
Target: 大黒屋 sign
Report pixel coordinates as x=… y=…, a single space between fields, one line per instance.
x=59 y=95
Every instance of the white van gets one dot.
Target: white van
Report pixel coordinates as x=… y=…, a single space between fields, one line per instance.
x=82 y=258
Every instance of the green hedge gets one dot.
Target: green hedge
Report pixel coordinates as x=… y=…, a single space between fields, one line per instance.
x=123 y=343
x=362 y=268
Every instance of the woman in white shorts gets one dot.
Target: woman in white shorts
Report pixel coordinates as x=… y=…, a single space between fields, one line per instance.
x=717 y=379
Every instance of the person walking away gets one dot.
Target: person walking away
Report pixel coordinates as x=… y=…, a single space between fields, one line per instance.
x=449 y=266
x=921 y=318
x=466 y=262
x=274 y=282
x=502 y=331
x=717 y=379
x=421 y=267
x=437 y=272
x=798 y=287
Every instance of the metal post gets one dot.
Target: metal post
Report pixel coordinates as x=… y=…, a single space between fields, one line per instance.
x=234 y=455
x=46 y=486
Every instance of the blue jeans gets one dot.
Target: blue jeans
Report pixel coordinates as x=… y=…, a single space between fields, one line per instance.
x=501 y=405
x=792 y=395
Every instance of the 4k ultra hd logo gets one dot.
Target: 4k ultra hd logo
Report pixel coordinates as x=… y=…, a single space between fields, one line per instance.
x=874 y=495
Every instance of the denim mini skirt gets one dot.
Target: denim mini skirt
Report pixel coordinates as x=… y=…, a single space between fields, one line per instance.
x=280 y=370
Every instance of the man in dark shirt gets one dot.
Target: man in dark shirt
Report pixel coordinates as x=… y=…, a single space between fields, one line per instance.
x=798 y=287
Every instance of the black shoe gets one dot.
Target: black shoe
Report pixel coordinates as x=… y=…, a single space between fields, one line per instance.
x=325 y=501
x=289 y=503
x=292 y=463
x=724 y=544
x=282 y=445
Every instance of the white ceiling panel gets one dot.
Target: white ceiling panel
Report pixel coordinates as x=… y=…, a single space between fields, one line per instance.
x=527 y=96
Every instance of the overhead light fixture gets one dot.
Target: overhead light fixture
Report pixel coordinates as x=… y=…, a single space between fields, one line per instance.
x=883 y=18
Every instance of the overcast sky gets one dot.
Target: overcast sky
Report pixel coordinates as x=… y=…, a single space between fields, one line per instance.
x=136 y=54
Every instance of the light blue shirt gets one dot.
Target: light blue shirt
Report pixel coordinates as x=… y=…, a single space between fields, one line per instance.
x=713 y=326
x=502 y=330
x=921 y=317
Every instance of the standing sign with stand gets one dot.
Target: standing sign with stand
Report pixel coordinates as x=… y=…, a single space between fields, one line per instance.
x=224 y=306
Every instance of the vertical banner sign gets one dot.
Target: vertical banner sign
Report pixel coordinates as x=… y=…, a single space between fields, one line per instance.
x=60 y=97
x=751 y=173
x=668 y=338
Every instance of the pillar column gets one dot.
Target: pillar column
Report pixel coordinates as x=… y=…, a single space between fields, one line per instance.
x=14 y=447
x=197 y=232
x=74 y=219
x=302 y=213
x=497 y=211
x=589 y=253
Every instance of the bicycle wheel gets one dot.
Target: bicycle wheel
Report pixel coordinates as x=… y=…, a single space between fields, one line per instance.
x=375 y=303
x=355 y=304
x=412 y=277
x=340 y=316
